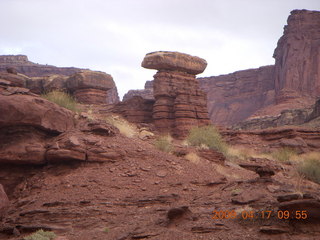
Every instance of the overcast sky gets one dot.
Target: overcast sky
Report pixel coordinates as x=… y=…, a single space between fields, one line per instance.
x=114 y=35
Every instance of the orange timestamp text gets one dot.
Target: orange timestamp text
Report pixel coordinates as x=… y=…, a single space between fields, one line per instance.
x=263 y=214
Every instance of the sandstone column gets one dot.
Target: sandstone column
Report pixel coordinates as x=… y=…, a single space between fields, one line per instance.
x=179 y=102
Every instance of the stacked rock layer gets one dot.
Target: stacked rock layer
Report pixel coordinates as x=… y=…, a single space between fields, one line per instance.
x=179 y=102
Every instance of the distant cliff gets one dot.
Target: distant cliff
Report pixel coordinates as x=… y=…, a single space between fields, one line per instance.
x=39 y=74
x=293 y=82
x=24 y=66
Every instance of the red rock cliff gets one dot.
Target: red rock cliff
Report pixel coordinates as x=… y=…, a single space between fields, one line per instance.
x=297 y=67
x=293 y=82
x=234 y=97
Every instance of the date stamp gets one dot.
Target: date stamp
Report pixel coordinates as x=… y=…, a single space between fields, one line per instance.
x=262 y=214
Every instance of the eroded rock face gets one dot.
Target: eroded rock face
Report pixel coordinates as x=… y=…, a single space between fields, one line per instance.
x=136 y=109
x=27 y=122
x=292 y=83
x=174 y=61
x=297 y=68
x=179 y=102
x=234 y=97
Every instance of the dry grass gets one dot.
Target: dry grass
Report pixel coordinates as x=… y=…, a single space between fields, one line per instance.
x=193 y=157
x=127 y=129
x=41 y=235
x=62 y=99
x=243 y=153
x=164 y=143
x=309 y=167
x=284 y=155
x=207 y=136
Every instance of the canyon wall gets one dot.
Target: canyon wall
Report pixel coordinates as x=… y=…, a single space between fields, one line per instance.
x=293 y=82
x=297 y=65
x=234 y=97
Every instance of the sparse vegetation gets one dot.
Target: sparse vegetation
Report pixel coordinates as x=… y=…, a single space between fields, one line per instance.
x=284 y=154
x=193 y=157
x=163 y=143
x=207 y=136
x=62 y=99
x=127 y=129
x=309 y=167
x=41 y=235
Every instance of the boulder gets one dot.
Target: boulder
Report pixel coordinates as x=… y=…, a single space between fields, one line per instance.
x=13 y=79
x=90 y=80
x=27 y=122
x=175 y=61
x=33 y=111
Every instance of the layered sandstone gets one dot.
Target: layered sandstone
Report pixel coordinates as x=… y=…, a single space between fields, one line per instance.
x=135 y=109
x=90 y=87
x=297 y=68
x=179 y=102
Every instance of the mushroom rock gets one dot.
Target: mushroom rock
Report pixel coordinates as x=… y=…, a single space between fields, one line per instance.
x=179 y=102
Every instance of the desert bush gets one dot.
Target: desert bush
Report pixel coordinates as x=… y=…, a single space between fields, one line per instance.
x=62 y=99
x=207 y=136
x=193 y=157
x=125 y=128
x=41 y=235
x=310 y=167
x=284 y=154
x=163 y=143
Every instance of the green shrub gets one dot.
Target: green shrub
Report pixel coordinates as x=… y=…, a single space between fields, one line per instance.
x=41 y=235
x=310 y=168
x=163 y=143
x=284 y=154
x=62 y=99
x=208 y=136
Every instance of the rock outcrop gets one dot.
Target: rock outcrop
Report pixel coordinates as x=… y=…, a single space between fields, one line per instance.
x=90 y=87
x=179 y=102
x=297 y=68
x=34 y=131
x=299 y=138
x=27 y=122
x=45 y=78
x=146 y=93
x=135 y=109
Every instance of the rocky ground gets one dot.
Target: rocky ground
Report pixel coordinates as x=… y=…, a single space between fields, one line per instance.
x=149 y=194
